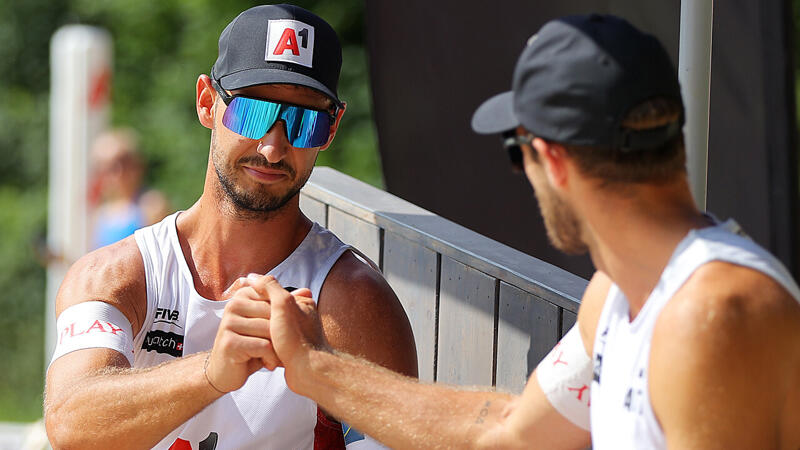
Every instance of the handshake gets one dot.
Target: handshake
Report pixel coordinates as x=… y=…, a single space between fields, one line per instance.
x=264 y=325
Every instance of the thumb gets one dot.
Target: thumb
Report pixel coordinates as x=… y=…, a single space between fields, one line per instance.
x=302 y=292
x=238 y=284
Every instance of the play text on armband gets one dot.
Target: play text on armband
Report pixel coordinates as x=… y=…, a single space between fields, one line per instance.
x=163 y=342
x=77 y=329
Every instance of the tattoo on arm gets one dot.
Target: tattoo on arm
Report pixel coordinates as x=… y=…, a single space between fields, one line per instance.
x=484 y=412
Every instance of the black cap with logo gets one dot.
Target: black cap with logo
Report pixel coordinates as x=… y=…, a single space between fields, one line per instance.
x=272 y=44
x=578 y=78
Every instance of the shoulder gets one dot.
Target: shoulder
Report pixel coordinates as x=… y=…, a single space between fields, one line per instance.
x=361 y=315
x=352 y=275
x=113 y=274
x=736 y=333
x=727 y=301
x=594 y=297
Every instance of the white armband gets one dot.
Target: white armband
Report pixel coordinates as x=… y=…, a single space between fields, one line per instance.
x=355 y=440
x=93 y=325
x=565 y=376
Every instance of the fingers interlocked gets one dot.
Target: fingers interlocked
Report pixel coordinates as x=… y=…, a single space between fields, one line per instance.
x=243 y=345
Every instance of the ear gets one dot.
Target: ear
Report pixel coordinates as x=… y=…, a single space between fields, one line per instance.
x=335 y=126
x=555 y=161
x=206 y=97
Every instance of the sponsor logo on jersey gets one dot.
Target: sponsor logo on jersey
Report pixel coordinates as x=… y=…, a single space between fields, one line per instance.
x=290 y=41
x=598 y=357
x=163 y=342
x=209 y=443
x=168 y=316
x=634 y=398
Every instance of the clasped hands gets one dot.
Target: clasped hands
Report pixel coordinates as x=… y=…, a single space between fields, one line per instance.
x=263 y=325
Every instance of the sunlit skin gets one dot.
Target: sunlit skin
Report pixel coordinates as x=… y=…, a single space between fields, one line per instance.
x=216 y=237
x=631 y=232
x=261 y=175
x=246 y=222
x=562 y=225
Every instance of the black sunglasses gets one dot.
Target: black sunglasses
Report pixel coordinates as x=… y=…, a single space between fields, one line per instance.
x=512 y=142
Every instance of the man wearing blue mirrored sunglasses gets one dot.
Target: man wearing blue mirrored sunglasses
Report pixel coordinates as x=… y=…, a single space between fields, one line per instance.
x=168 y=329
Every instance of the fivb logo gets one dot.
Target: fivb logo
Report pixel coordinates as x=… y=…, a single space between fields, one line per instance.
x=290 y=41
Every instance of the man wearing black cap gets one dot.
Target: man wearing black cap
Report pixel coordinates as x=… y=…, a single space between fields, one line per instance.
x=163 y=336
x=688 y=335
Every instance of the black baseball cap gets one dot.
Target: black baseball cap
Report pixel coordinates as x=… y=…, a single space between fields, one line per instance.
x=272 y=44
x=577 y=79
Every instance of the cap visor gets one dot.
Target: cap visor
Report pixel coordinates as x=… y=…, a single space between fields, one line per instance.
x=495 y=115
x=253 y=77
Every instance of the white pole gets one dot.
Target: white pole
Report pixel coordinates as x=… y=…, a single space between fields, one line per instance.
x=694 y=73
x=80 y=64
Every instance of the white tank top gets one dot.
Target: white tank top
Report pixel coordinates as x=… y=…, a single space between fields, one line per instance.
x=621 y=414
x=264 y=413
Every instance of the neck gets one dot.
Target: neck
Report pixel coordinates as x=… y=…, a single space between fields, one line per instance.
x=221 y=246
x=634 y=244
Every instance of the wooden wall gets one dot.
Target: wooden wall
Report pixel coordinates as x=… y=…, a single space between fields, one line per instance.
x=482 y=313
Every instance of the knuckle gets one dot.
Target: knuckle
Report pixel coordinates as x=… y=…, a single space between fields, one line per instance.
x=225 y=343
x=264 y=345
x=229 y=308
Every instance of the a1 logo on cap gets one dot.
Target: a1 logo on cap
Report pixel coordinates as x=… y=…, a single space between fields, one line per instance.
x=290 y=41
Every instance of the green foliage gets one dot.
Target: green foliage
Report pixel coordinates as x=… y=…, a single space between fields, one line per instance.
x=160 y=48
x=22 y=321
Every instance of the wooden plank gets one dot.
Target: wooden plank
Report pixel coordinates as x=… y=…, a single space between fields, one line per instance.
x=466 y=329
x=527 y=329
x=411 y=270
x=314 y=209
x=360 y=234
x=445 y=237
x=568 y=319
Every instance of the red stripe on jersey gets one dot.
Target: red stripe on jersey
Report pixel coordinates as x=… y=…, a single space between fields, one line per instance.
x=328 y=433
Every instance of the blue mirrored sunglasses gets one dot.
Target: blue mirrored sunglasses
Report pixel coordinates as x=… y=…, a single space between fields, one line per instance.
x=253 y=118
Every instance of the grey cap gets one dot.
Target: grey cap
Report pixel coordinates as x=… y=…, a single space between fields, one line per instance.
x=272 y=44
x=577 y=79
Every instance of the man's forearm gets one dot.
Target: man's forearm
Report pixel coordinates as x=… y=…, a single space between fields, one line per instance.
x=399 y=411
x=127 y=408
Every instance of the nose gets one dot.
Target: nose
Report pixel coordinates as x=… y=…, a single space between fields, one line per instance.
x=274 y=145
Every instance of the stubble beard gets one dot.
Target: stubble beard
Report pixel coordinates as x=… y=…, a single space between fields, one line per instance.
x=561 y=222
x=260 y=203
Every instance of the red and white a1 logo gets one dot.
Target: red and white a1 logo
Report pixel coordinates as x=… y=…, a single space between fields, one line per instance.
x=290 y=41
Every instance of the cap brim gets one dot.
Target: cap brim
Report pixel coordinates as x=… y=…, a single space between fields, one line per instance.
x=254 y=77
x=495 y=115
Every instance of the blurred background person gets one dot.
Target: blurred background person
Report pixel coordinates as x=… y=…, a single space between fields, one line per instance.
x=119 y=203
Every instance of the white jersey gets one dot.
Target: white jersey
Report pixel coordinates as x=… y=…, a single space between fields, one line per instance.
x=264 y=413
x=621 y=414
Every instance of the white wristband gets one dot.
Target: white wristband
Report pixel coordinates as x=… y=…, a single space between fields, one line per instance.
x=93 y=325
x=565 y=376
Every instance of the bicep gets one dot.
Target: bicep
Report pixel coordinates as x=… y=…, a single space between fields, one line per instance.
x=727 y=390
x=97 y=314
x=700 y=408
